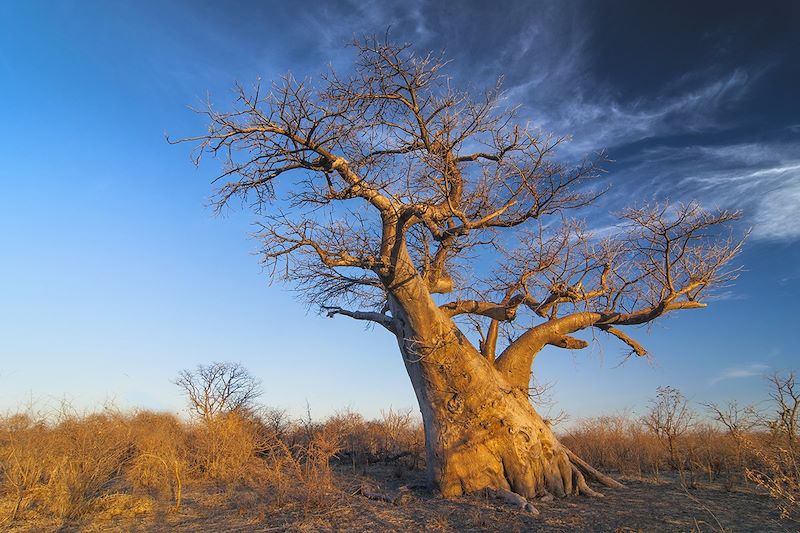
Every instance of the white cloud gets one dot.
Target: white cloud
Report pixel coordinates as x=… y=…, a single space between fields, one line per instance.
x=768 y=193
x=608 y=230
x=741 y=371
x=761 y=180
x=560 y=97
x=602 y=121
x=778 y=212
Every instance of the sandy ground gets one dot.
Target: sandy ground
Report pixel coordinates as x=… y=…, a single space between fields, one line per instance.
x=645 y=505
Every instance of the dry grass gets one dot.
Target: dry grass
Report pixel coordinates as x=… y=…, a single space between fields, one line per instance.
x=109 y=463
x=774 y=467
x=104 y=467
x=624 y=444
x=69 y=466
x=62 y=468
x=745 y=448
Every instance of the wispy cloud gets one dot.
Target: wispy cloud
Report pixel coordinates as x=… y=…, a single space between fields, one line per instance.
x=777 y=214
x=546 y=57
x=602 y=121
x=547 y=70
x=740 y=372
x=762 y=180
x=559 y=95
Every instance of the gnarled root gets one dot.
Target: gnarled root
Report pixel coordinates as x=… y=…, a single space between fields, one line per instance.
x=565 y=477
x=591 y=472
x=509 y=448
x=574 y=471
x=511 y=498
x=580 y=486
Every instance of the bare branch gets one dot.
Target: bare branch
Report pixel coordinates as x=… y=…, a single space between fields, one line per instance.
x=401 y=184
x=378 y=318
x=664 y=261
x=637 y=348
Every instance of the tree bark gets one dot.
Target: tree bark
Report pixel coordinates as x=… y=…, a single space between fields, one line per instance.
x=480 y=430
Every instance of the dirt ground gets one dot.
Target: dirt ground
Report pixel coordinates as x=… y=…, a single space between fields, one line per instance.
x=646 y=505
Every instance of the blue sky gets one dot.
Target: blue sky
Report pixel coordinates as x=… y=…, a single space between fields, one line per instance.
x=115 y=275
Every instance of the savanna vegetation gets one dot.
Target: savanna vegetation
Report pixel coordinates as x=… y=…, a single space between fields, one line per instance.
x=256 y=467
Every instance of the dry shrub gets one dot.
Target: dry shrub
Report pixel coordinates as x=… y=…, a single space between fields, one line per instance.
x=87 y=455
x=123 y=505
x=242 y=449
x=227 y=448
x=396 y=437
x=301 y=471
x=159 y=461
x=399 y=435
x=275 y=421
x=669 y=418
x=707 y=449
x=355 y=437
x=68 y=465
x=315 y=474
x=617 y=443
x=747 y=444
x=777 y=470
x=111 y=464
x=626 y=445
x=767 y=445
x=23 y=460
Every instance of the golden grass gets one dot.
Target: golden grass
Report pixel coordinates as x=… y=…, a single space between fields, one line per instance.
x=110 y=465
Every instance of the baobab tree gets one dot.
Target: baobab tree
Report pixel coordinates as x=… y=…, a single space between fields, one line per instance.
x=386 y=195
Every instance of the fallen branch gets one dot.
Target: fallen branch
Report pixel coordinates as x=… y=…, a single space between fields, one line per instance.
x=388 y=497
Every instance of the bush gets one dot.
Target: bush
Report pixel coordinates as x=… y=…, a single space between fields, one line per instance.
x=160 y=455
x=23 y=460
x=108 y=463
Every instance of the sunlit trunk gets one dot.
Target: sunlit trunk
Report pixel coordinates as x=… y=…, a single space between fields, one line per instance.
x=480 y=432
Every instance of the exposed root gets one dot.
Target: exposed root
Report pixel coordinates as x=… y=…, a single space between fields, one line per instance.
x=513 y=451
x=591 y=472
x=580 y=484
x=511 y=498
x=546 y=497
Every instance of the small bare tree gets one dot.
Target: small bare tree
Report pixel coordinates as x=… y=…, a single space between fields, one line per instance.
x=669 y=418
x=785 y=395
x=779 y=471
x=737 y=419
x=219 y=388
x=739 y=422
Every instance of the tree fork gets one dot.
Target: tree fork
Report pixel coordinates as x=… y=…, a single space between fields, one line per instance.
x=481 y=432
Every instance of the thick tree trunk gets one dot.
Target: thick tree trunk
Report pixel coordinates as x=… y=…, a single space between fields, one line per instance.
x=480 y=428
x=480 y=431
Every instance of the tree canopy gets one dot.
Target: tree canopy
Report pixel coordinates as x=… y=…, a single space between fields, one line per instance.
x=396 y=175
